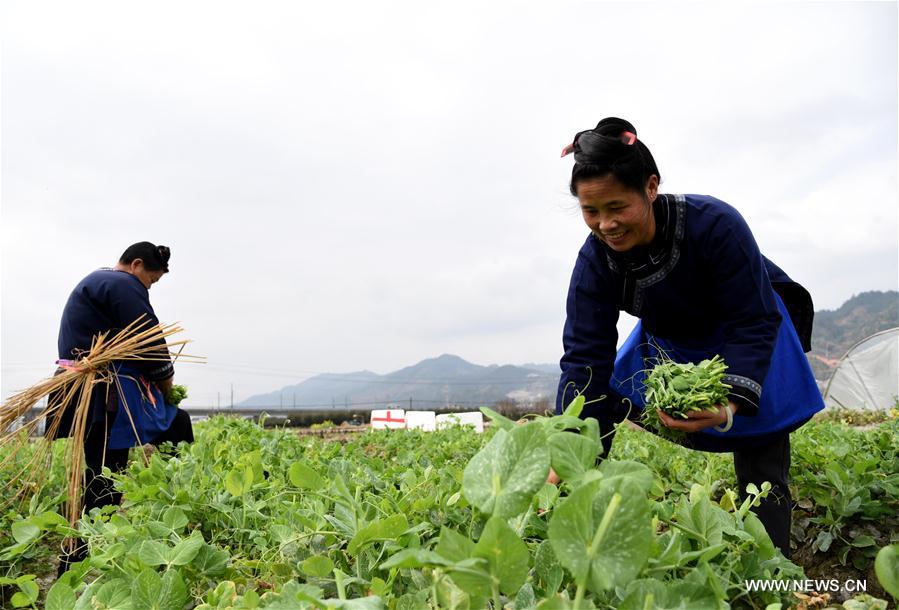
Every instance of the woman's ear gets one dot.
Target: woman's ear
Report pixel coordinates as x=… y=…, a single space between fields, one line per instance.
x=652 y=187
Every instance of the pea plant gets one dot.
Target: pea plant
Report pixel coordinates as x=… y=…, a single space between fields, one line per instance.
x=410 y=520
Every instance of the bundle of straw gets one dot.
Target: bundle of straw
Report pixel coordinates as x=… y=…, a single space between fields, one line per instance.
x=74 y=386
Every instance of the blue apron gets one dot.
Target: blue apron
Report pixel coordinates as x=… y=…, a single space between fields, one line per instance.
x=789 y=396
x=150 y=414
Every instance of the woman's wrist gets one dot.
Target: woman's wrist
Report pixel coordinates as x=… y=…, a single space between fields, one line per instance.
x=728 y=412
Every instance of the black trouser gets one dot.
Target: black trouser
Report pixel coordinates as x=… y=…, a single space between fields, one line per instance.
x=769 y=462
x=99 y=490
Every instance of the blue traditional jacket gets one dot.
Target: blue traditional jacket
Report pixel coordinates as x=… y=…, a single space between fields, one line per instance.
x=108 y=300
x=702 y=287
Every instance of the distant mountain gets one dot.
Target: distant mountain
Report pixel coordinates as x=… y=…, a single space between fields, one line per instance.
x=444 y=380
x=448 y=379
x=543 y=368
x=835 y=331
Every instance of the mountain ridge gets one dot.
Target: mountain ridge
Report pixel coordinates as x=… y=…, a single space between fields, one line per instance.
x=449 y=379
x=443 y=380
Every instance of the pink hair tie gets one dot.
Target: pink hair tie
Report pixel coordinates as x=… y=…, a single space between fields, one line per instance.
x=568 y=149
x=628 y=138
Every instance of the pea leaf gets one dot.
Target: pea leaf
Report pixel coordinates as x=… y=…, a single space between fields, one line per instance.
x=651 y=593
x=752 y=525
x=150 y=592
x=60 y=597
x=572 y=454
x=500 y=420
x=383 y=529
x=175 y=518
x=318 y=565
x=28 y=591
x=700 y=516
x=20 y=600
x=473 y=576
x=414 y=558
x=886 y=566
x=503 y=477
x=304 y=477
x=146 y=589
x=823 y=541
x=211 y=561
x=239 y=480
x=525 y=599
x=575 y=407
x=361 y=603
x=114 y=595
x=174 y=594
x=25 y=531
x=451 y=597
x=634 y=472
x=548 y=569
x=506 y=554
x=602 y=533
x=186 y=550
x=453 y=545
x=153 y=553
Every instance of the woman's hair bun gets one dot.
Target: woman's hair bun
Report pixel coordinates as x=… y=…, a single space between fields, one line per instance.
x=614 y=127
x=155 y=258
x=612 y=148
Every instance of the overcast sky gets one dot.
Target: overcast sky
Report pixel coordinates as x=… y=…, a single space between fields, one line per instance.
x=363 y=185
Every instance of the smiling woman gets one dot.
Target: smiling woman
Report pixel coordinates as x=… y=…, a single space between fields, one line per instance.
x=689 y=268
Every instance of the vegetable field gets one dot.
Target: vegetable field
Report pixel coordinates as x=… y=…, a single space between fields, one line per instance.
x=408 y=520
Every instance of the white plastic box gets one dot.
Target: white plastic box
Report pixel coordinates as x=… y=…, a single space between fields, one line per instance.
x=468 y=418
x=388 y=418
x=422 y=420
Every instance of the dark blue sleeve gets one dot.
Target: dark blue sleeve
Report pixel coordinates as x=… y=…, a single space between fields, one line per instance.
x=745 y=296
x=589 y=339
x=129 y=301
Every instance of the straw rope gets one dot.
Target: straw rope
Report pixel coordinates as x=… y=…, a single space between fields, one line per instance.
x=74 y=386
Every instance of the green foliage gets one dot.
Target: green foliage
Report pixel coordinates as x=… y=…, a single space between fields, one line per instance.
x=253 y=518
x=886 y=567
x=856 y=417
x=176 y=394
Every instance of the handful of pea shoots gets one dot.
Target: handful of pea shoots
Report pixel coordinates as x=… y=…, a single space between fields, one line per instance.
x=679 y=389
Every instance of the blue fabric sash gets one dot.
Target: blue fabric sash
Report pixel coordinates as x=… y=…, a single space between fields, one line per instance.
x=790 y=394
x=150 y=414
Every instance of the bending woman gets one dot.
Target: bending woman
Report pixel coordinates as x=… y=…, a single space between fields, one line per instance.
x=107 y=301
x=689 y=268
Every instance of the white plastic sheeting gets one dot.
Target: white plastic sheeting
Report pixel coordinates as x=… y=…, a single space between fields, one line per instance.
x=421 y=420
x=470 y=418
x=424 y=420
x=867 y=377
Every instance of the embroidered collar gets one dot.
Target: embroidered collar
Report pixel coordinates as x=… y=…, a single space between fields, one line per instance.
x=641 y=267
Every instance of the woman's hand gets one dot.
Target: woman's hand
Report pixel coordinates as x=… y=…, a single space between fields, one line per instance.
x=698 y=420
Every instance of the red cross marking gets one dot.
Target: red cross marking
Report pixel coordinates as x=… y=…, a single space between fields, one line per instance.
x=389 y=419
